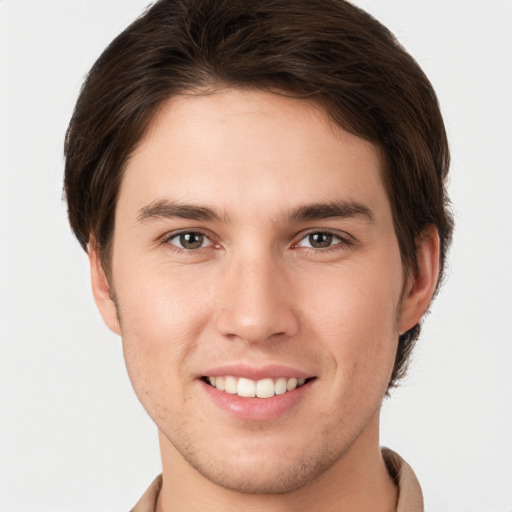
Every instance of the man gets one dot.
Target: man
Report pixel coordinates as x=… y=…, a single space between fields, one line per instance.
x=260 y=189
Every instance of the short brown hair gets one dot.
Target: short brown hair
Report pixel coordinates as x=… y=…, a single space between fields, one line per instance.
x=328 y=51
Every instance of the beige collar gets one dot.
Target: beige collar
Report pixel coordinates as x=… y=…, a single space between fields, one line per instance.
x=410 y=497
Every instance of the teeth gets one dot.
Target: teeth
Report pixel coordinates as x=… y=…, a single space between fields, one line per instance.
x=219 y=383
x=231 y=386
x=280 y=386
x=246 y=387
x=291 y=384
x=264 y=388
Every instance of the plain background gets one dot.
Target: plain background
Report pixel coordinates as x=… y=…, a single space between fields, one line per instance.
x=73 y=436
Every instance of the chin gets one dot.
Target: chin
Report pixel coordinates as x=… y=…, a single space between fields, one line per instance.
x=264 y=470
x=257 y=478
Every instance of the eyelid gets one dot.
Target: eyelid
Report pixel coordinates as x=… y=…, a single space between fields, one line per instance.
x=345 y=239
x=166 y=239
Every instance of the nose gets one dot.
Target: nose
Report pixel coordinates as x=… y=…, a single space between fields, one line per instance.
x=256 y=301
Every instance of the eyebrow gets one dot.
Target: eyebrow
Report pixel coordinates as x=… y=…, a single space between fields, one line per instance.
x=335 y=209
x=165 y=209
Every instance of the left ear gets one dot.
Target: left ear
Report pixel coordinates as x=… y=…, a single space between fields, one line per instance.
x=421 y=285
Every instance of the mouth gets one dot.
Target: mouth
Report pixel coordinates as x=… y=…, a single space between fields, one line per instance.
x=258 y=393
x=248 y=388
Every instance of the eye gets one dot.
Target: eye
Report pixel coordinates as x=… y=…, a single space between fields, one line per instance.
x=189 y=240
x=321 y=240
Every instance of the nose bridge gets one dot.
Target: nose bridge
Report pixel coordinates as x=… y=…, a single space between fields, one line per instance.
x=255 y=303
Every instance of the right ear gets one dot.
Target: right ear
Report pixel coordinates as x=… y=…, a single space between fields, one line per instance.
x=101 y=289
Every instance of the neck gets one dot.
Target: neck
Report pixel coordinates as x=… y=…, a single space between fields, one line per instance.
x=357 y=482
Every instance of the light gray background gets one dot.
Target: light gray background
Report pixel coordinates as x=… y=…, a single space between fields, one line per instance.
x=73 y=436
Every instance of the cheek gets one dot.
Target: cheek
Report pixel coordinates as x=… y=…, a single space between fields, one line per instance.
x=353 y=300
x=355 y=313
x=161 y=319
x=160 y=308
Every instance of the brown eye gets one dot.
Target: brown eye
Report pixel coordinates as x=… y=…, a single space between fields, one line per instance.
x=190 y=240
x=320 y=240
x=324 y=240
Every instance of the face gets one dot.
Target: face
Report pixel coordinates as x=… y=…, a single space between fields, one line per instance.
x=254 y=254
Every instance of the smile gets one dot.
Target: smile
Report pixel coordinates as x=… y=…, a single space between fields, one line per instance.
x=248 y=388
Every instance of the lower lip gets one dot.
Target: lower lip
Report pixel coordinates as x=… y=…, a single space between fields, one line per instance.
x=257 y=409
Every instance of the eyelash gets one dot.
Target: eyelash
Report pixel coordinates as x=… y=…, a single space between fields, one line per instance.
x=344 y=241
x=167 y=241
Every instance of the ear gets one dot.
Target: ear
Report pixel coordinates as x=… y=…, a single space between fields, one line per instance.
x=101 y=289
x=421 y=286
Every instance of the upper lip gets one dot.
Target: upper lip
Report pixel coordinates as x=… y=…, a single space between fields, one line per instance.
x=273 y=371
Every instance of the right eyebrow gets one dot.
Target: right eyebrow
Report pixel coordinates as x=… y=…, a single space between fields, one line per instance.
x=165 y=209
x=336 y=209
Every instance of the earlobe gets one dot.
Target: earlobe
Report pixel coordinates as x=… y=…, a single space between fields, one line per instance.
x=422 y=285
x=101 y=289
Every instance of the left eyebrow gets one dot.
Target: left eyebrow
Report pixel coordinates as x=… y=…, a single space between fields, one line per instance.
x=337 y=209
x=165 y=209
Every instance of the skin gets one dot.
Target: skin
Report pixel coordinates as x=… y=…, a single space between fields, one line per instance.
x=257 y=292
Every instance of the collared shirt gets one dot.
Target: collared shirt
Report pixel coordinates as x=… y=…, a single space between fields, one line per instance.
x=410 y=498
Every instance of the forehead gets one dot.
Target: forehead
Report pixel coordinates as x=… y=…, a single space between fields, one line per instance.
x=249 y=151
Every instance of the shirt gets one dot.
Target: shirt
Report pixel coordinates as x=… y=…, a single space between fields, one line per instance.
x=410 y=497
